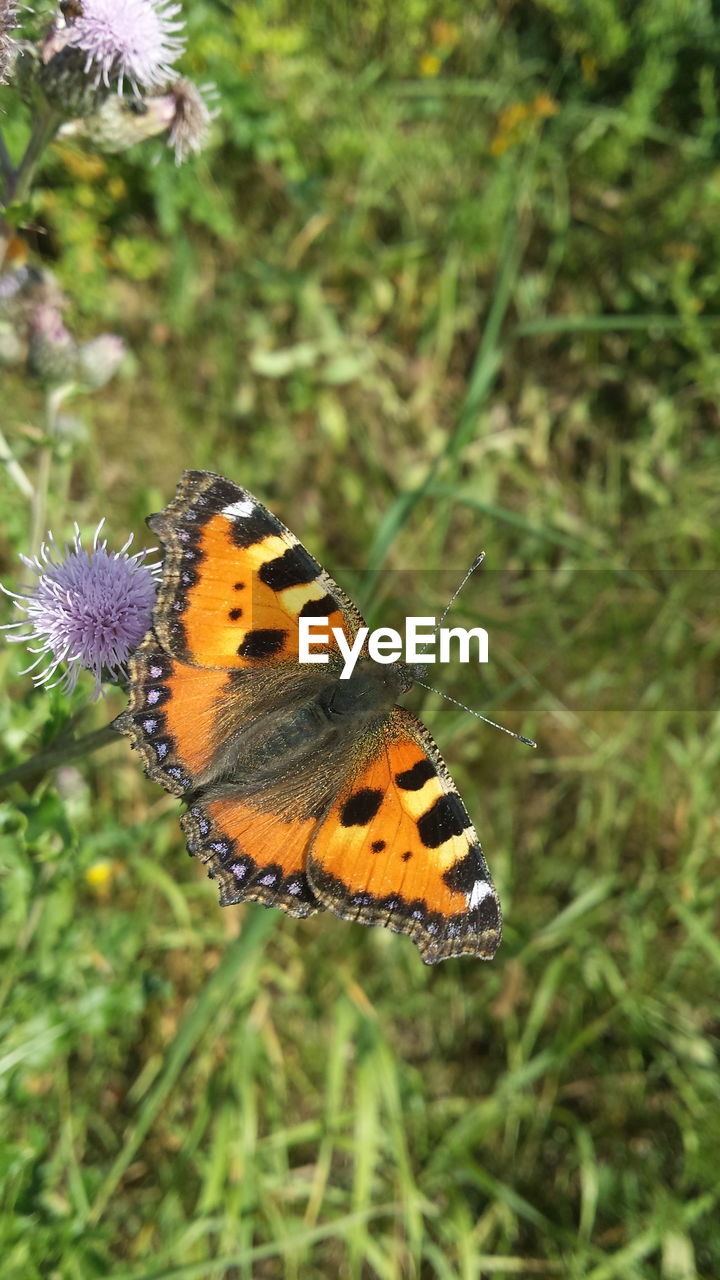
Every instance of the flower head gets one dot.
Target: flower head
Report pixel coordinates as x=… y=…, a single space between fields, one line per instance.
x=120 y=121
x=52 y=351
x=99 y=359
x=26 y=295
x=133 y=40
x=87 y=609
x=191 y=119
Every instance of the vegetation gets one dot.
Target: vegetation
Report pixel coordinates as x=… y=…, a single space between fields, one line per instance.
x=446 y=280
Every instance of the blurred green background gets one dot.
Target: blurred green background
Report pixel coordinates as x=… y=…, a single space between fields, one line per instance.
x=445 y=280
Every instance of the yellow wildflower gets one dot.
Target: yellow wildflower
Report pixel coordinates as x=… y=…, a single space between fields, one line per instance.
x=516 y=122
x=430 y=64
x=100 y=876
x=81 y=164
x=543 y=105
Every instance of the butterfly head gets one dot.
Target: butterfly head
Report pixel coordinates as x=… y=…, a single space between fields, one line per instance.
x=371 y=689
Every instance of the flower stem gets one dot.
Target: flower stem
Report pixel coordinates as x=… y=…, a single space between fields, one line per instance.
x=17 y=182
x=59 y=754
x=45 y=127
x=14 y=469
x=6 y=166
x=53 y=401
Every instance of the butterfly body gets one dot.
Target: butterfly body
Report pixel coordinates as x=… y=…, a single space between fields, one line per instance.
x=304 y=790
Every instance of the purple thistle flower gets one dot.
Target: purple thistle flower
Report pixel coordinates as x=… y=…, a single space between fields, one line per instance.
x=52 y=351
x=134 y=40
x=87 y=609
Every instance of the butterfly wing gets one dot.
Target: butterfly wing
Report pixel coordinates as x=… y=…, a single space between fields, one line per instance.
x=254 y=854
x=172 y=721
x=172 y=714
x=236 y=581
x=397 y=848
x=221 y=655
x=392 y=844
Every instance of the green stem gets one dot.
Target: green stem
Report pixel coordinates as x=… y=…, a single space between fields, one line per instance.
x=6 y=165
x=53 y=400
x=14 y=469
x=549 y=326
x=59 y=754
x=44 y=129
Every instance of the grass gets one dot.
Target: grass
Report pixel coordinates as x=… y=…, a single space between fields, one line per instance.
x=417 y=330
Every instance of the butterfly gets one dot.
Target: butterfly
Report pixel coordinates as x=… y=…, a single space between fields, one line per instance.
x=304 y=791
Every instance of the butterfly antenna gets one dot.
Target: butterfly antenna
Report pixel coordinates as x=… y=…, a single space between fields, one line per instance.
x=475 y=565
x=528 y=741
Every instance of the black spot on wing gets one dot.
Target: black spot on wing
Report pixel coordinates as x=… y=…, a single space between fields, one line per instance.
x=406 y=856
x=486 y=915
x=292 y=569
x=360 y=808
x=377 y=846
x=319 y=608
x=464 y=874
x=444 y=819
x=264 y=642
x=415 y=778
x=234 y=614
x=245 y=531
x=222 y=493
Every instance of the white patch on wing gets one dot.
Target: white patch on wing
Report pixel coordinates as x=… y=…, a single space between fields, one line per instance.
x=239 y=510
x=480 y=890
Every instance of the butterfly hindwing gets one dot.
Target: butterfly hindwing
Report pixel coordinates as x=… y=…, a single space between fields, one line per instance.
x=236 y=581
x=176 y=720
x=255 y=855
x=397 y=848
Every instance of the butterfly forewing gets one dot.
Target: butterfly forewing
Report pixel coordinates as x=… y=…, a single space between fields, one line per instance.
x=172 y=716
x=236 y=581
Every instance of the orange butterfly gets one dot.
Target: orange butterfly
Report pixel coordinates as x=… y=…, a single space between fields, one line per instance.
x=304 y=791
